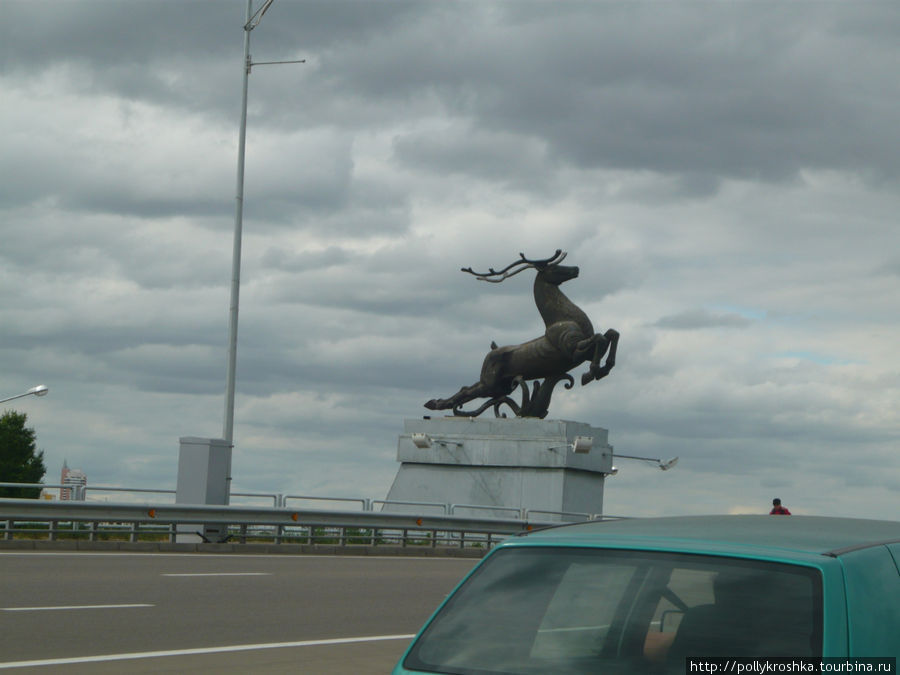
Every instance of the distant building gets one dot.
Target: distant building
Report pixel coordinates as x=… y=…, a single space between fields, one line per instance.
x=74 y=477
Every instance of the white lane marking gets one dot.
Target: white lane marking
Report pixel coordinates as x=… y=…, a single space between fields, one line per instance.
x=42 y=609
x=219 y=574
x=202 y=650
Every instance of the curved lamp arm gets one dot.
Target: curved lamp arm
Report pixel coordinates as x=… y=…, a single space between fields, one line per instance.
x=39 y=390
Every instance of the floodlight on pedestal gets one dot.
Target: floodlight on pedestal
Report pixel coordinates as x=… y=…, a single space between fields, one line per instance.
x=582 y=445
x=423 y=441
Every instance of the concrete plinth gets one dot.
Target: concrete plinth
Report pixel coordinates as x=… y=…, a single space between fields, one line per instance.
x=204 y=477
x=518 y=464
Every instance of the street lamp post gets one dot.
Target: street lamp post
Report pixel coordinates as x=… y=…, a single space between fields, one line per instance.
x=204 y=464
x=228 y=428
x=252 y=22
x=39 y=390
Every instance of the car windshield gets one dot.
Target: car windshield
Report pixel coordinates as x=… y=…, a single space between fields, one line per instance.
x=581 y=610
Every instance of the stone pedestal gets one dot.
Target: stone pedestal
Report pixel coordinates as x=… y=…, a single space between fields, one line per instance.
x=516 y=465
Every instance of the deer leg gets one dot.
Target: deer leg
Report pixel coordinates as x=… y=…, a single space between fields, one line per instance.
x=609 y=341
x=464 y=395
x=598 y=344
x=491 y=384
x=612 y=336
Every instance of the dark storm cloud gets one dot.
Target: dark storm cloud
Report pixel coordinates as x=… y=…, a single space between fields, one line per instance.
x=338 y=203
x=729 y=92
x=723 y=173
x=506 y=158
x=304 y=260
x=892 y=267
x=693 y=319
x=168 y=50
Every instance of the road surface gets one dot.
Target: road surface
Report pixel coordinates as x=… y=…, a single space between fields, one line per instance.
x=176 y=613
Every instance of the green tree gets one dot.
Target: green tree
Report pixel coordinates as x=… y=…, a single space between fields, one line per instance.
x=19 y=463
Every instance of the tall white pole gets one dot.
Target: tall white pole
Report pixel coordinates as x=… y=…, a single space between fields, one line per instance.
x=228 y=428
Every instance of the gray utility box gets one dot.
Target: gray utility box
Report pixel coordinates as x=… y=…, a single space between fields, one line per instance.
x=204 y=477
x=549 y=468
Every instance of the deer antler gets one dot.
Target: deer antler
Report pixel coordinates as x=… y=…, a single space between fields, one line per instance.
x=554 y=259
x=523 y=264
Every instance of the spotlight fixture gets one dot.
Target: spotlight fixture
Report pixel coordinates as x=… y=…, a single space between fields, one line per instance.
x=424 y=441
x=668 y=464
x=582 y=444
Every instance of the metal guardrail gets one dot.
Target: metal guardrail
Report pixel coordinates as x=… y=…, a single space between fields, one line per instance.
x=77 y=491
x=365 y=503
x=277 y=499
x=445 y=508
x=19 y=516
x=92 y=488
x=80 y=492
x=403 y=523
x=481 y=507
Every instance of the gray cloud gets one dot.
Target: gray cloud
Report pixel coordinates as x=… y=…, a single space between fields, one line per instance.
x=693 y=319
x=723 y=175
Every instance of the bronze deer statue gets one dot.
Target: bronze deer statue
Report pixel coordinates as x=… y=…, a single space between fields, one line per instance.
x=568 y=341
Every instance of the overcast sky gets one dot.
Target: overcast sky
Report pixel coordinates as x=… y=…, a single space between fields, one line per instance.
x=725 y=175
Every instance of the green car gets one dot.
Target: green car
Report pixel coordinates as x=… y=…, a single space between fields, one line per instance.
x=660 y=595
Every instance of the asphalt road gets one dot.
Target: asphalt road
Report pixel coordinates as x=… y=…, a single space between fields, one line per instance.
x=161 y=613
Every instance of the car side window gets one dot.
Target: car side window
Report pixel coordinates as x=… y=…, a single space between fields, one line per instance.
x=570 y=611
x=575 y=623
x=686 y=588
x=750 y=610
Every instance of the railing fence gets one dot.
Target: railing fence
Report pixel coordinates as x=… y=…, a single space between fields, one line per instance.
x=372 y=522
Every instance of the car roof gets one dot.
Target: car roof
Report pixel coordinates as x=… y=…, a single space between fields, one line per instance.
x=799 y=534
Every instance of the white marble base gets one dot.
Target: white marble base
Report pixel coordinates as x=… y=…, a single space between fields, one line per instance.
x=518 y=464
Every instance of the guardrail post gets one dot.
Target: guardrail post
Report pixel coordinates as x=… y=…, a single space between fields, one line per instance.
x=133 y=537
x=243 y=535
x=8 y=535
x=93 y=534
x=52 y=532
x=278 y=531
